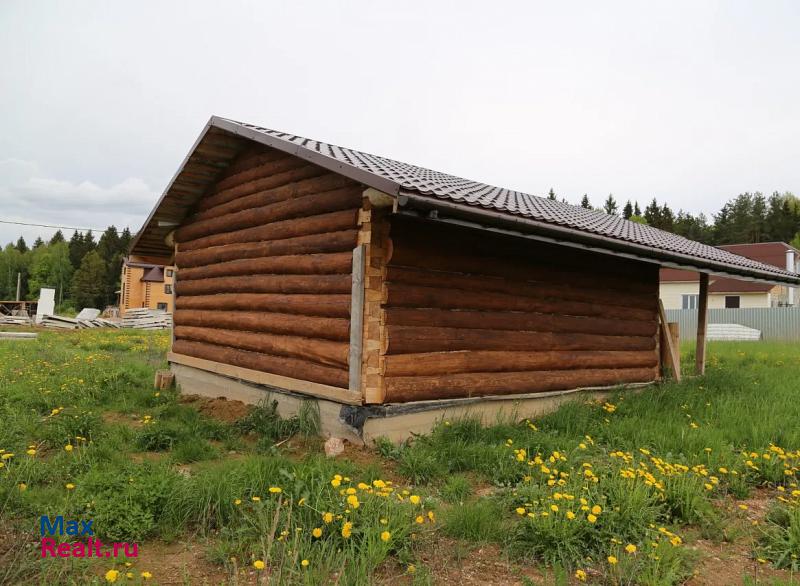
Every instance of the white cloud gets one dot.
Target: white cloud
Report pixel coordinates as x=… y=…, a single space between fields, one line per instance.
x=27 y=194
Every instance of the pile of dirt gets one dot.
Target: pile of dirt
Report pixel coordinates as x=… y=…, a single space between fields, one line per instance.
x=218 y=408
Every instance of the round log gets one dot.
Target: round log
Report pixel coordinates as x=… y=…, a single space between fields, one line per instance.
x=312 y=305
x=274 y=323
x=308 y=205
x=544 y=289
x=408 y=339
x=399 y=295
x=325 y=352
x=280 y=365
x=440 y=363
x=298 y=264
x=296 y=188
x=314 y=243
x=419 y=388
x=314 y=284
x=272 y=174
x=511 y=320
x=318 y=224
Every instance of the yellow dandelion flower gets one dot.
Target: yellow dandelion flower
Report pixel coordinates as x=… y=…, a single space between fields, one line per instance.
x=414 y=499
x=386 y=536
x=237 y=502
x=347 y=529
x=431 y=516
x=554 y=508
x=612 y=560
x=591 y=518
x=69 y=486
x=570 y=515
x=316 y=532
x=304 y=563
x=520 y=511
x=580 y=575
x=630 y=548
x=420 y=519
x=275 y=489
x=596 y=510
x=68 y=448
x=111 y=576
x=146 y=575
x=327 y=517
x=31 y=452
x=259 y=565
x=352 y=500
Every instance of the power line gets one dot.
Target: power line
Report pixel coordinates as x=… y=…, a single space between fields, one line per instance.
x=50 y=226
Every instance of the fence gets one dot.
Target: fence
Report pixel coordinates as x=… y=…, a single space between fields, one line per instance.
x=775 y=323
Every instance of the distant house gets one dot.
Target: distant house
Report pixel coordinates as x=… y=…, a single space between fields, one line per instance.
x=680 y=289
x=146 y=284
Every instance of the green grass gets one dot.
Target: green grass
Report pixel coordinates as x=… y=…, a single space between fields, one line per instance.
x=635 y=477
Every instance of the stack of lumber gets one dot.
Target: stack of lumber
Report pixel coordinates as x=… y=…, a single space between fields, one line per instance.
x=147 y=319
x=15 y=320
x=68 y=323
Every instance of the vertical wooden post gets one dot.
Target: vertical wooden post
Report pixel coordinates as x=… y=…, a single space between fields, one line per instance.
x=357 y=317
x=19 y=285
x=670 y=355
x=702 y=323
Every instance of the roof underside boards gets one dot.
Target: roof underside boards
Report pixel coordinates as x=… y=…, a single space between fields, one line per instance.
x=446 y=195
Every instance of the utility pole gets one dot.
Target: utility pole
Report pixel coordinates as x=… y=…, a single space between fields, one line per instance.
x=19 y=285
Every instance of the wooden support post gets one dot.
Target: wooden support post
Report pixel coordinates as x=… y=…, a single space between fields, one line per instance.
x=357 y=317
x=702 y=323
x=670 y=355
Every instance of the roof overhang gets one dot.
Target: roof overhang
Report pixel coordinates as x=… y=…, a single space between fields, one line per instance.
x=222 y=140
x=453 y=213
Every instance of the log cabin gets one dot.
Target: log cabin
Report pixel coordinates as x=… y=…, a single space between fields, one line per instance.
x=392 y=295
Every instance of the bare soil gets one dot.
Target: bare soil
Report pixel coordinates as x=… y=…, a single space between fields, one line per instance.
x=219 y=408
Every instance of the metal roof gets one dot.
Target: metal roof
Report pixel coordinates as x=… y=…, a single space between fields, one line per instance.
x=448 y=197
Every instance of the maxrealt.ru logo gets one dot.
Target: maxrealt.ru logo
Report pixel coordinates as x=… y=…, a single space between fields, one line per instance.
x=81 y=529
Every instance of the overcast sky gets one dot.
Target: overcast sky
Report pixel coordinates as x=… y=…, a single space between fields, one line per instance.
x=689 y=102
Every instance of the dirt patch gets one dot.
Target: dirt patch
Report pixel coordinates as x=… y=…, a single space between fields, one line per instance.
x=219 y=408
x=178 y=563
x=126 y=419
x=455 y=562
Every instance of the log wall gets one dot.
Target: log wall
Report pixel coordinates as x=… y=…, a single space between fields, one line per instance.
x=264 y=269
x=469 y=313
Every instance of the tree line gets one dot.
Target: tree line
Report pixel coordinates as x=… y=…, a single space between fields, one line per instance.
x=84 y=272
x=748 y=218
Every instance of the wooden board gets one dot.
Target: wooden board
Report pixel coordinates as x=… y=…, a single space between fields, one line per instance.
x=263 y=378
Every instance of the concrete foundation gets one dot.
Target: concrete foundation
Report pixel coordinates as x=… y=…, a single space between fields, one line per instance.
x=364 y=424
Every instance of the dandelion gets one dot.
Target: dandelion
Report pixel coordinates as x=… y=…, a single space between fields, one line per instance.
x=411 y=568
x=111 y=576
x=31 y=452
x=7 y=456
x=414 y=499
x=22 y=487
x=146 y=575
x=68 y=448
x=570 y=515
x=386 y=536
x=352 y=500
x=316 y=532
x=237 y=502
x=630 y=548
x=255 y=499
x=591 y=518
x=743 y=507
x=612 y=560
x=129 y=575
x=520 y=511
x=596 y=510
x=275 y=489
x=69 y=486
x=259 y=565
x=420 y=519
x=327 y=517
x=554 y=508
x=580 y=575
x=304 y=563
x=347 y=529
x=431 y=516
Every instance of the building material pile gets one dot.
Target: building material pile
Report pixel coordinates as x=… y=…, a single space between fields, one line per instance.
x=15 y=320
x=68 y=323
x=147 y=319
